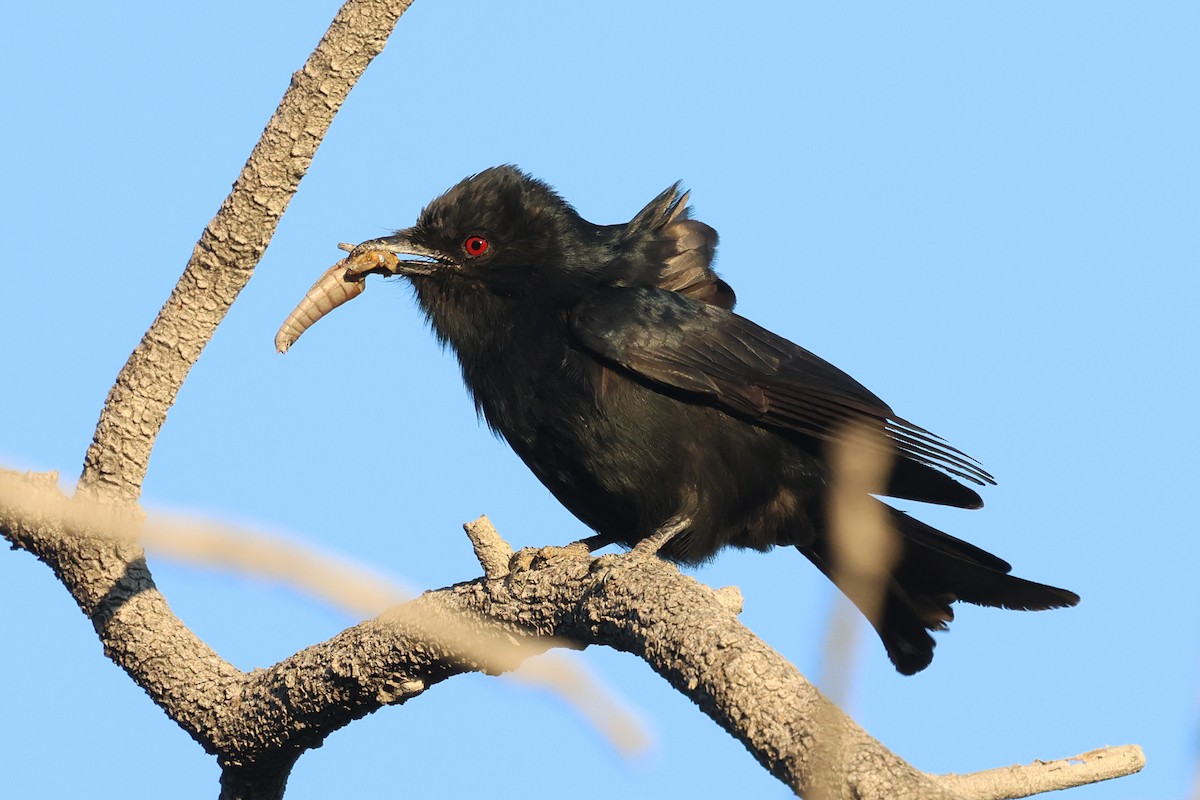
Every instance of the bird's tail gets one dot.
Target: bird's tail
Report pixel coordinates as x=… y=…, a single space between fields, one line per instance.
x=934 y=570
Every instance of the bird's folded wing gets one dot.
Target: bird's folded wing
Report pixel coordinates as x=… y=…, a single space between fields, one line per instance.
x=705 y=350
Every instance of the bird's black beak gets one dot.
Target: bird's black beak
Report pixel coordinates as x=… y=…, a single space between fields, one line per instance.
x=422 y=261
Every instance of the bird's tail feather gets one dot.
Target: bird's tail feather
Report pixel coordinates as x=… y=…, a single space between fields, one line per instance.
x=933 y=571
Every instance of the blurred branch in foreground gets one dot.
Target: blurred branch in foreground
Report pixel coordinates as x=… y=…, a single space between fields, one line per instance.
x=536 y=599
x=865 y=548
x=356 y=589
x=364 y=592
x=326 y=576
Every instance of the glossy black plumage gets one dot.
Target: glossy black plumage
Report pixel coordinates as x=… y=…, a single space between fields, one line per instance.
x=609 y=358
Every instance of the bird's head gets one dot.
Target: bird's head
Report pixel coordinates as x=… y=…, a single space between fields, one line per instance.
x=513 y=235
x=500 y=228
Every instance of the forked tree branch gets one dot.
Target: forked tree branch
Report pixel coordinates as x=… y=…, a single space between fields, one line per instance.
x=259 y=723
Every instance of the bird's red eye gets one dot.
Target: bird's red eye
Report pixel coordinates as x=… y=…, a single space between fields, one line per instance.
x=475 y=246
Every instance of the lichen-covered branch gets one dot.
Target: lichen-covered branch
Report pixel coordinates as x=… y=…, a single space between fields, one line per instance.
x=229 y=248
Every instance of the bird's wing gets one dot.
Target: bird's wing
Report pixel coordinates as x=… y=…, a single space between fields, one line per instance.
x=679 y=249
x=687 y=263
x=710 y=352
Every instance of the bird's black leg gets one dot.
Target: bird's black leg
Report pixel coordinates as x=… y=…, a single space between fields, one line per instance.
x=658 y=540
x=596 y=541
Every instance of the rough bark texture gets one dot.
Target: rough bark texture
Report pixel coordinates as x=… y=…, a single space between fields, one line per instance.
x=190 y=680
x=230 y=247
x=259 y=723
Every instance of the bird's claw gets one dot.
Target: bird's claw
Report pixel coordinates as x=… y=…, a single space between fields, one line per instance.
x=529 y=558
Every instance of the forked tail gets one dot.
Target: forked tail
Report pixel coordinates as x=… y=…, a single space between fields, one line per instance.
x=935 y=570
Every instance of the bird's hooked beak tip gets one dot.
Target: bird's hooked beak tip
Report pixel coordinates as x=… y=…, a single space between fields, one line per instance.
x=423 y=260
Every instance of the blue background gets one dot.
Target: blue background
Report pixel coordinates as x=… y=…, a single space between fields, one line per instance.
x=985 y=212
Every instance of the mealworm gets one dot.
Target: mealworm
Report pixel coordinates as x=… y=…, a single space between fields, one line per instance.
x=339 y=284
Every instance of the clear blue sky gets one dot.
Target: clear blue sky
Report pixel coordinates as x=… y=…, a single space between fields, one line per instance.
x=986 y=212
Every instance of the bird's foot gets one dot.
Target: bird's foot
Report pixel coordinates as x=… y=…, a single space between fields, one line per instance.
x=534 y=557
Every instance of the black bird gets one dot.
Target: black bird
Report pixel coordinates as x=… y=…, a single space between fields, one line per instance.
x=609 y=358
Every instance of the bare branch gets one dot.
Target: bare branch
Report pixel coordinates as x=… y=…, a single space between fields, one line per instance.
x=364 y=592
x=492 y=551
x=1048 y=776
x=107 y=575
x=229 y=248
x=109 y=578
x=347 y=585
x=259 y=723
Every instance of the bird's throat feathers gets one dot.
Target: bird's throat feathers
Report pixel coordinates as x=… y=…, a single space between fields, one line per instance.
x=483 y=327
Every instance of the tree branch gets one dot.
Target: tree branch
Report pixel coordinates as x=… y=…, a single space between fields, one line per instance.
x=1048 y=776
x=229 y=248
x=108 y=576
x=259 y=723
